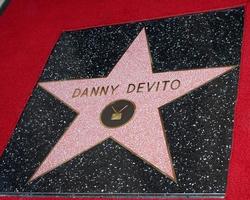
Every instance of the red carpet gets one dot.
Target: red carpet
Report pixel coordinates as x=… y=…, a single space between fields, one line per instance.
x=29 y=29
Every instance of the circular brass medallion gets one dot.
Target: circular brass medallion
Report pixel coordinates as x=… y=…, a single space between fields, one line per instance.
x=117 y=113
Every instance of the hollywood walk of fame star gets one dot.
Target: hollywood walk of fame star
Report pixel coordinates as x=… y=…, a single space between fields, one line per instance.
x=141 y=131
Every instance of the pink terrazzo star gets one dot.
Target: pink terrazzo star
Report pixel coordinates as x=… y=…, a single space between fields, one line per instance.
x=144 y=134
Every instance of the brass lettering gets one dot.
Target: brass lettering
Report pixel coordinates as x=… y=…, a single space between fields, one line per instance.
x=76 y=93
x=94 y=91
x=129 y=86
x=114 y=88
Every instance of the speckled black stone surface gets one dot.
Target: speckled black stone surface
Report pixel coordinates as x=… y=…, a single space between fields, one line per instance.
x=198 y=125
